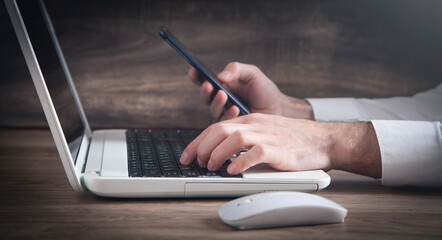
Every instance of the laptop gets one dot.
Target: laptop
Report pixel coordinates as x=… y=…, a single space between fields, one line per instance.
x=126 y=163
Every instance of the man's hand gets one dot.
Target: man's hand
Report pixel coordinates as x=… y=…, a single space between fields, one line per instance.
x=287 y=144
x=255 y=88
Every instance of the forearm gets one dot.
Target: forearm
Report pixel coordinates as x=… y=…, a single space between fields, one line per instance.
x=355 y=149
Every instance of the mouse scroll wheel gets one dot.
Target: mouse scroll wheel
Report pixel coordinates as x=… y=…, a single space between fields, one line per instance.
x=245 y=201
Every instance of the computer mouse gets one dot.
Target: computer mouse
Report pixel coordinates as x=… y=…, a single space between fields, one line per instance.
x=280 y=209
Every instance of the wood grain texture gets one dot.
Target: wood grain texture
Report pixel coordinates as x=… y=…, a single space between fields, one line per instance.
x=128 y=76
x=38 y=203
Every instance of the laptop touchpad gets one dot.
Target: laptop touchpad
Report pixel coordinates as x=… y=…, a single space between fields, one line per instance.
x=262 y=170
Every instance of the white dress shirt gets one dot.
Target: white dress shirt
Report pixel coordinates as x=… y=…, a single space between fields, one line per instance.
x=408 y=131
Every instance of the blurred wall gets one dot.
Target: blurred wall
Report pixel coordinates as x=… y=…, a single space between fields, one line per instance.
x=127 y=76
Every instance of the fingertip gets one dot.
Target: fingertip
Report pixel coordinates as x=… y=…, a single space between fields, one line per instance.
x=245 y=161
x=232 y=112
x=222 y=97
x=224 y=75
x=231 y=72
x=191 y=73
x=206 y=91
x=211 y=166
x=184 y=159
x=217 y=104
x=194 y=76
x=189 y=153
x=201 y=163
x=207 y=86
x=232 y=169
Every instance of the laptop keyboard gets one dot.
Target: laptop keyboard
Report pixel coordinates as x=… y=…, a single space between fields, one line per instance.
x=157 y=153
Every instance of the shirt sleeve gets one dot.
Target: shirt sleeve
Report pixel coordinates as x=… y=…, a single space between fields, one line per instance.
x=408 y=131
x=411 y=152
x=425 y=106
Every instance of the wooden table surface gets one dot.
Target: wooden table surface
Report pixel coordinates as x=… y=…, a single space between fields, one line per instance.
x=38 y=202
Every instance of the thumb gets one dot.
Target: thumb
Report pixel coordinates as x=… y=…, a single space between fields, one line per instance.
x=239 y=72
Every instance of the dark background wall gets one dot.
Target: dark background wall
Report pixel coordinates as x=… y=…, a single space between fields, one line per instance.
x=128 y=77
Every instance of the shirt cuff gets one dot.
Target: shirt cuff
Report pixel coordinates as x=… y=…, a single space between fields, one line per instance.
x=337 y=109
x=411 y=152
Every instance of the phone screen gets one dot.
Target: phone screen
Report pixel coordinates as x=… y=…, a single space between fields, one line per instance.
x=165 y=34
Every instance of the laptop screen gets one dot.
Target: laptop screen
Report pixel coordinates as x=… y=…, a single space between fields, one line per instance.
x=53 y=73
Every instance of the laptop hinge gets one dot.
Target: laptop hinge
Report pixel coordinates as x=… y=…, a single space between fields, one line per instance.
x=94 y=155
x=87 y=154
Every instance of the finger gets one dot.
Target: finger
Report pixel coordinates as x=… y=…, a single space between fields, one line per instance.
x=235 y=142
x=232 y=112
x=218 y=133
x=255 y=155
x=239 y=71
x=190 y=152
x=254 y=119
x=206 y=92
x=217 y=105
x=195 y=76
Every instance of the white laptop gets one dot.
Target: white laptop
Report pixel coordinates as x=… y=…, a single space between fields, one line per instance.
x=126 y=163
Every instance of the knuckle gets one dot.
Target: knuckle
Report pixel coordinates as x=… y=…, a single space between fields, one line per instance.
x=241 y=137
x=210 y=128
x=253 y=117
x=234 y=65
x=258 y=115
x=215 y=157
x=243 y=164
x=223 y=129
x=261 y=150
x=200 y=151
x=254 y=67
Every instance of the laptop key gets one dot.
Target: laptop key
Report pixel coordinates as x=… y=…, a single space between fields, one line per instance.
x=188 y=168
x=136 y=174
x=224 y=173
x=207 y=173
x=152 y=173
x=212 y=174
x=190 y=173
x=157 y=153
x=170 y=169
x=151 y=168
x=165 y=135
x=143 y=136
x=172 y=174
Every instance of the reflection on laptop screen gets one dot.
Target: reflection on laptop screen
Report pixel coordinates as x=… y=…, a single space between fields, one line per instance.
x=53 y=73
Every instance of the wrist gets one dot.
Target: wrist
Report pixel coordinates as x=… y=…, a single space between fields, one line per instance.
x=354 y=148
x=296 y=108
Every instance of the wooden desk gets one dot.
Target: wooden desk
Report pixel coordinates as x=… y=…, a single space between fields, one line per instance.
x=37 y=202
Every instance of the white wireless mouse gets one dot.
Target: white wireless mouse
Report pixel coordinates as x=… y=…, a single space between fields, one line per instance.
x=279 y=209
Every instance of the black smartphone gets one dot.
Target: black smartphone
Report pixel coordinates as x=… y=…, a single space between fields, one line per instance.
x=202 y=70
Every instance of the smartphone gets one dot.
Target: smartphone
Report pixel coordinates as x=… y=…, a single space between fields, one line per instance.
x=202 y=70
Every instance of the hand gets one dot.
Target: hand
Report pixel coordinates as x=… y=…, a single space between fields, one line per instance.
x=255 y=88
x=286 y=144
